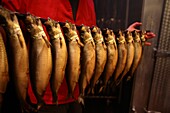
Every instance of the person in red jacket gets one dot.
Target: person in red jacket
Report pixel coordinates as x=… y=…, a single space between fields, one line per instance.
x=60 y=10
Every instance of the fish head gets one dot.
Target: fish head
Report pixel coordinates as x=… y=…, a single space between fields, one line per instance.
x=108 y=35
x=57 y=28
x=7 y=18
x=69 y=30
x=95 y=30
x=112 y=33
x=32 y=24
x=97 y=34
x=82 y=30
x=120 y=37
x=128 y=36
x=73 y=27
x=142 y=35
x=66 y=27
x=4 y=15
x=29 y=19
x=136 y=36
x=85 y=33
x=52 y=26
x=105 y=32
x=49 y=24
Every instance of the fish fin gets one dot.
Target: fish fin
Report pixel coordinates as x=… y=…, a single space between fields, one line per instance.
x=118 y=82
x=92 y=91
x=81 y=100
x=112 y=84
x=14 y=17
x=40 y=101
x=55 y=98
x=128 y=78
x=104 y=46
x=61 y=42
x=101 y=89
x=89 y=91
x=115 y=46
x=104 y=89
x=26 y=108
x=93 y=44
x=47 y=42
x=39 y=106
x=70 y=95
x=80 y=43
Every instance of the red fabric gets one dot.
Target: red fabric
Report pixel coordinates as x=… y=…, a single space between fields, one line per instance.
x=86 y=13
x=59 y=10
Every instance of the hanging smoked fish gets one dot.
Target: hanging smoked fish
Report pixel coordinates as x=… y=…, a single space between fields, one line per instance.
x=18 y=57
x=142 y=37
x=73 y=62
x=40 y=58
x=59 y=56
x=88 y=60
x=122 y=56
x=130 y=54
x=4 y=75
x=101 y=57
x=137 y=53
x=112 y=56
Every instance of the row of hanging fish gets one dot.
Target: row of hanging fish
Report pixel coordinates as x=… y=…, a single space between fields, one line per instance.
x=84 y=59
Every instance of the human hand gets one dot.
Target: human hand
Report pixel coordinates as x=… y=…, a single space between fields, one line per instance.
x=148 y=35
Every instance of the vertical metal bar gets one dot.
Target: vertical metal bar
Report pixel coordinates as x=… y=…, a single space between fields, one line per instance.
x=160 y=86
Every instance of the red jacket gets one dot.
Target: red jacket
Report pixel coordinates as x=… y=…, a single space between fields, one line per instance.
x=59 y=10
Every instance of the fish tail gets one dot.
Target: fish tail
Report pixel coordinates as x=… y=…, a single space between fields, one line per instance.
x=118 y=82
x=26 y=108
x=70 y=95
x=101 y=89
x=112 y=84
x=89 y=90
x=129 y=78
x=40 y=102
x=55 y=99
x=80 y=99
